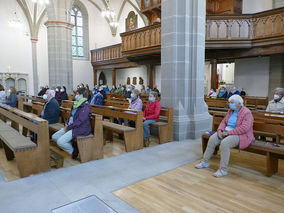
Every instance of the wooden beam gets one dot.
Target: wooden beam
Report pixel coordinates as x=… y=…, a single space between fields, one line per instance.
x=214 y=74
x=114 y=77
x=151 y=76
x=95 y=77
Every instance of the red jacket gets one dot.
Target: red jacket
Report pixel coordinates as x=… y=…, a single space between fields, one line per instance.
x=244 y=126
x=152 y=111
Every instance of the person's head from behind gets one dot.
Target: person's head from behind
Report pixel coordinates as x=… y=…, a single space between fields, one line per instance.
x=134 y=94
x=12 y=90
x=1 y=87
x=81 y=93
x=278 y=94
x=49 y=94
x=236 y=102
x=233 y=89
x=153 y=96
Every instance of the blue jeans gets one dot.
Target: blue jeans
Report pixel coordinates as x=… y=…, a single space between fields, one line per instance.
x=63 y=140
x=146 y=129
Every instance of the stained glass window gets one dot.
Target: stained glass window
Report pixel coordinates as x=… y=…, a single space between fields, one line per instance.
x=77 y=33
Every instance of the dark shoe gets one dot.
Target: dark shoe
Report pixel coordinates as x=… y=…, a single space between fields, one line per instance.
x=75 y=152
x=146 y=142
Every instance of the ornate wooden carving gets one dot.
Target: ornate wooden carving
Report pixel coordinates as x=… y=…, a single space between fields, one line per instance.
x=134 y=81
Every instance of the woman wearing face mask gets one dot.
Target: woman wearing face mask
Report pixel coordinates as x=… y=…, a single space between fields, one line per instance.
x=12 y=99
x=63 y=95
x=150 y=115
x=277 y=104
x=236 y=129
x=148 y=91
x=135 y=103
x=78 y=124
x=57 y=92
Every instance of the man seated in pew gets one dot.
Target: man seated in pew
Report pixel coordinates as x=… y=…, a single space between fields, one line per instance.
x=149 y=90
x=129 y=91
x=118 y=89
x=98 y=98
x=12 y=98
x=63 y=95
x=236 y=129
x=112 y=89
x=78 y=124
x=43 y=90
x=277 y=104
x=150 y=115
x=106 y=89
x=51 y=109
x=143 y=91
x=222 y=92
x=233 y=91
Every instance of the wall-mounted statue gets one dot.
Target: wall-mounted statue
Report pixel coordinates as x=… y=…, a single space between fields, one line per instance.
x=128 y=81
x=134 y=81
x=141 y=81
x=131 y=22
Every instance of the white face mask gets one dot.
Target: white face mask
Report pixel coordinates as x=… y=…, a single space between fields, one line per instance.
x=276 y=97
x=44 y=96
x=56 y=90
x=9 y=90
x=62 y=90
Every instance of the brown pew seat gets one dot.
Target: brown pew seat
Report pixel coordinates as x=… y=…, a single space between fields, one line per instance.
x=262 y=146
x=56 y=127
x=118 y=127
x=160 y=123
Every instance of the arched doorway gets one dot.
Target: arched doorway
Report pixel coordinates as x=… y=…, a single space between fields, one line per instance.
x=102 y=79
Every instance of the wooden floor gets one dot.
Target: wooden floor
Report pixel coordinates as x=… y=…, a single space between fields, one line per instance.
x=9 y=170
x=186 y=189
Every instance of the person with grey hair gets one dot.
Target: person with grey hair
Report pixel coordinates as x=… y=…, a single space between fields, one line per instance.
x=51 y=110
x=233 y=91
x=277 y=104
x=236 y=129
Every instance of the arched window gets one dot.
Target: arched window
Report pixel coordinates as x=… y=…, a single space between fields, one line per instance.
x=77 y=33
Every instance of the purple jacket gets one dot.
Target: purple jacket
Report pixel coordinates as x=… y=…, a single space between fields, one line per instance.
x=82 y=121
x=136 y=105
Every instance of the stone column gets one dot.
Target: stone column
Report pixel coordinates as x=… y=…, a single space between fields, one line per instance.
x=35 y=72
x=95 y=76
x=183 y=56
x=59 y=30
x=151 y=76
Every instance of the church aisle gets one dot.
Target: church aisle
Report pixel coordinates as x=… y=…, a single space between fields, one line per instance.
x=186 y=189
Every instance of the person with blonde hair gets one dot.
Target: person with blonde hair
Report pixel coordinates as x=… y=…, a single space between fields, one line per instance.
x=12 y=98
x=236 y=129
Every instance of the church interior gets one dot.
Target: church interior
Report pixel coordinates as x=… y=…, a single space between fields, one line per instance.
x=141 y=106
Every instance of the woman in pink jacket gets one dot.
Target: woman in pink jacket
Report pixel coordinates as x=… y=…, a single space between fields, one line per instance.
x=236 y=129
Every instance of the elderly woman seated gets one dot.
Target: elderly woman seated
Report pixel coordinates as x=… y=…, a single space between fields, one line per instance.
x=236 y=129
x=277 y=104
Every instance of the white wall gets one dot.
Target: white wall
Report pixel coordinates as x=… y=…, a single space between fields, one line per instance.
x=252 y=74
x=16 y=50
x=255 y=6
x=207 y=77
x=226 y=72
x=158 y=77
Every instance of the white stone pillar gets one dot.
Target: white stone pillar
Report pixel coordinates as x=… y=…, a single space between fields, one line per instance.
x=59 y=29
x=35 y=72
x=183 y=56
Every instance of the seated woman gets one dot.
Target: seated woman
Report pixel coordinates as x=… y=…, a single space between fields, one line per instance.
x=78 y=124
x=98 y=99
x=233 y=91
x=236 y=129
x=12 y=99
x=2 y=94
x=212 y=94
x=63 y=95
x=150 y=115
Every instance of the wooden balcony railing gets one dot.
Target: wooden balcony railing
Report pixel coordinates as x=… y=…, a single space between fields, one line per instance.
x=147 y=39
x=244 y=30
x=107 y=53
x=222 y=31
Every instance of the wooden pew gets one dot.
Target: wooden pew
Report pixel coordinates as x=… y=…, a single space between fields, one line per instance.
x=133 y=137
x=31 y=158
x=272 y=153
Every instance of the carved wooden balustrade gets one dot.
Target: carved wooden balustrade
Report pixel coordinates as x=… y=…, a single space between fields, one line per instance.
x=222 y=32
x=143 y=41
x=245 y=31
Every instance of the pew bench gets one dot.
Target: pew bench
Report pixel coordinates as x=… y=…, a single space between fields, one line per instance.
x=272 y=153
x=30 y=158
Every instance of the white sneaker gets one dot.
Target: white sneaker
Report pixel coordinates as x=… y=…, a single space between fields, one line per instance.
x=201 y=165
x=220 y=173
